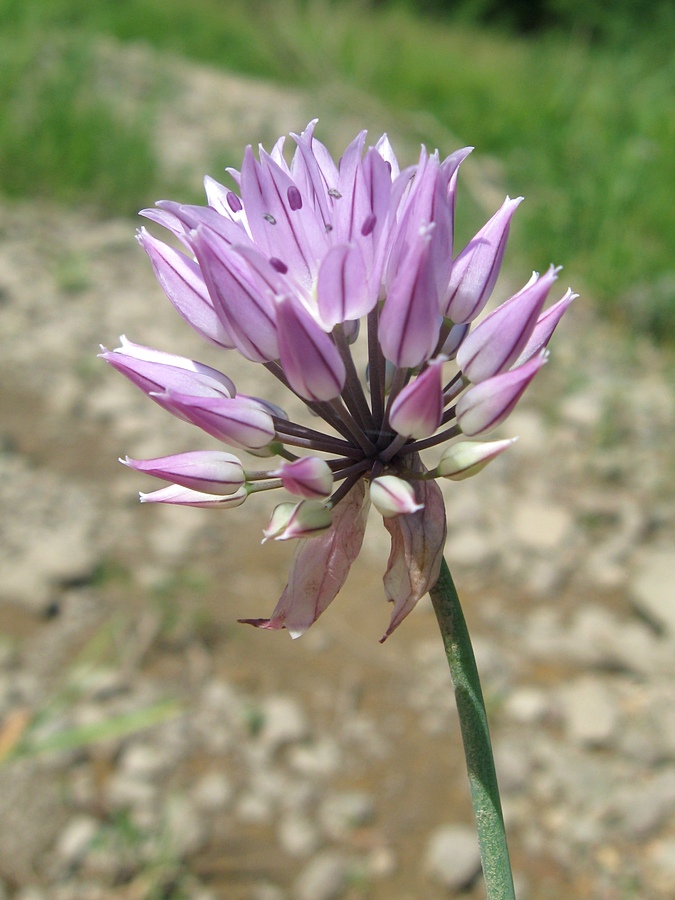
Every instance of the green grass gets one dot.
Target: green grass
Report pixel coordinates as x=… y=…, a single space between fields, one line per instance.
x=584 y=132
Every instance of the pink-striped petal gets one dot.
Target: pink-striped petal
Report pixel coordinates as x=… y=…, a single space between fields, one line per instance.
x=237 y=422
x=546 y=325
x=487 y=404
x=309 y=358
x=342 y=289
x=476 y=269
x=393 y=496
x=213 y=471
x=496 y=342
x=418 y=409
x=182 y=282
x=181 y=496
x=309 y=477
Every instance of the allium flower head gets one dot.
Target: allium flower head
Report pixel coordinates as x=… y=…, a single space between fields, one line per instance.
x=290 y=269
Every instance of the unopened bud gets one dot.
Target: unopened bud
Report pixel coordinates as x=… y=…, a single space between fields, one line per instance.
x=392 y=496
x=467 y=458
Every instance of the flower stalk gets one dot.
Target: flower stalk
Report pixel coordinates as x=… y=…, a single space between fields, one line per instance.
x=494 y=851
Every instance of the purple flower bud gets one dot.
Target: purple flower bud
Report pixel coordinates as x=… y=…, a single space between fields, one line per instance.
x=409 y=322
x=466 y=458
x=487 y=404
x=475 y=270
x=182 y=496
x=155 y=372
x=202 y=470
x=247 y=313
x=418 y=409
x=495 y=344
x=342 y=286
x=309 y=477
x=238 y=423
x=309 y=358
x=546 y=325
x=392 y=496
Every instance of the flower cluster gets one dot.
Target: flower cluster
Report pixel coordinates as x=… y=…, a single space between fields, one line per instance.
x=286 y=270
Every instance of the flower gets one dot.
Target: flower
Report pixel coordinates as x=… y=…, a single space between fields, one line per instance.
x=283 y=269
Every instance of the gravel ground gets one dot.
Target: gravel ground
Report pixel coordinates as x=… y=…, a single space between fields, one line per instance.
x=153 y=748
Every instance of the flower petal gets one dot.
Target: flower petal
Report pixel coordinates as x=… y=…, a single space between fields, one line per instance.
x=247 y=313
x=487 y=404
x=211 y=470
x=178 y=495
x=418 y=408
x=309 y=358
x=495 y=344
x=410 y=322
x=182 y=282
x=309 y=477
x=239 y=423
x=466 y=458
x=155 y=372
x=475 y=270
x=342 y=286
x=320 y=567
x=546 y=325
x=393 y=496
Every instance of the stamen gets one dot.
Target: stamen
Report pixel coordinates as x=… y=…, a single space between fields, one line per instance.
x=234 y=202
x=398 y=383
x=294 y=198
x=278 y=265
x=368 y=225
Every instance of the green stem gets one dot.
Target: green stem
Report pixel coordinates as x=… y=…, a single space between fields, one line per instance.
x=480 y=764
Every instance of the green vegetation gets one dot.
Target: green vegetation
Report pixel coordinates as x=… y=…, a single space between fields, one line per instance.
x=583 y=128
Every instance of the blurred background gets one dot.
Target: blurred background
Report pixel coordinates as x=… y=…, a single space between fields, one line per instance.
x=150 y=747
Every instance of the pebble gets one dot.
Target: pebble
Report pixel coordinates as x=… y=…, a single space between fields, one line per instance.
x=526 y=705
x=213 y=792
x=469 y=547
x=662 y=857
x=589 y=711
x=452 y=857
x=144 y=762
x=283 y=722
x=341 y=813
x=318 y=759
x=185 y=828
x=324 y=878
x=123 y=791
x=76 y=838
x=653 y=587
x=541 y=526
x=297 y=835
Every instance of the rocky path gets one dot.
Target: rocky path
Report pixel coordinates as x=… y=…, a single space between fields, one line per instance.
x=153 y=748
